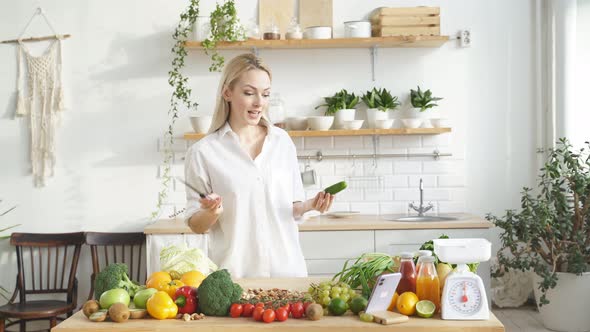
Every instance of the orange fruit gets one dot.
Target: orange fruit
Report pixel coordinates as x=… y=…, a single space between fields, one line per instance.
x=393 y=302
x=406 y=303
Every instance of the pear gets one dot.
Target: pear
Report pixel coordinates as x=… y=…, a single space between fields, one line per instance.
x=443 y=270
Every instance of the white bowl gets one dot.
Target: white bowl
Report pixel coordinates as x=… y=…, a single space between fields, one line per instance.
x=439 y=123
x=297 y=123
x=384 y=124
x=412 y=123
x=201 y=123
x=320 y=122
x=352 y=124
x=317 y=32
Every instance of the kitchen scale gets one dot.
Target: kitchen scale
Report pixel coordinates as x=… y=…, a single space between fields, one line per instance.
x=464 y=296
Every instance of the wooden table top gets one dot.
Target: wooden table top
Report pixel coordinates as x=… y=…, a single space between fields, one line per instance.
x=348 y=322
x=356 y=222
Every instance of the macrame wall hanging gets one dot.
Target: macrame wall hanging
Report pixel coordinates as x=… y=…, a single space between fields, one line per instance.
x=40 y=97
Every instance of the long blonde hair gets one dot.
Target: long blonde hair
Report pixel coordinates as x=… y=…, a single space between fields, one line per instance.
x=232 y=72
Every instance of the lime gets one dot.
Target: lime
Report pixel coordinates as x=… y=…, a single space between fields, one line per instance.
x=358 y=304
x=425 y=308
x=337 y=306
x=365 y=317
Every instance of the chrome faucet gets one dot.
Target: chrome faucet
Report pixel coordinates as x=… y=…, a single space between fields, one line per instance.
x=421 y=209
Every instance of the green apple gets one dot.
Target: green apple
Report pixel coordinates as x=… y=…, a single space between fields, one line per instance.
x=113 y=296
x=141 y=297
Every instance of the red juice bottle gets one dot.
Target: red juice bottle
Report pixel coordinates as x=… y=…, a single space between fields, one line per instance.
x=407 y=269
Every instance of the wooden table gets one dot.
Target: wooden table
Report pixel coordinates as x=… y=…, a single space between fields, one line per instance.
x=78 y=322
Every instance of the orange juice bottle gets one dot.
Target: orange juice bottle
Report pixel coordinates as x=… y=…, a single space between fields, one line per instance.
x=427 y=283
x=420 y=254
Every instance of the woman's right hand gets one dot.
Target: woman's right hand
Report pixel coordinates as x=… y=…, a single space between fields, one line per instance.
x=212 y=203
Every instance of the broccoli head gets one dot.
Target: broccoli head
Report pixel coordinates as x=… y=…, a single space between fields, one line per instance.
x=114 y=276
x=217 y=292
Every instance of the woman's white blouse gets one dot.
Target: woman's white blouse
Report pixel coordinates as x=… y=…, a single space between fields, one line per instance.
x=256 y=235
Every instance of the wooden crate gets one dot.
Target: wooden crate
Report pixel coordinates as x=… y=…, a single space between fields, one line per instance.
x=405 y=21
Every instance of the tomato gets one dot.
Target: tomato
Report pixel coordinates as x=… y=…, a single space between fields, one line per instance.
x=297 y=310
x=257 y=313
x=248 y=309
x=282 y=314
x=287 y=307
x=268 y=316
x=236 y=310
x=260 y=304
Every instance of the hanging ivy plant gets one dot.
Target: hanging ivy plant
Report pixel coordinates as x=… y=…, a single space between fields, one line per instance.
x=181 y=94
x=225 y=26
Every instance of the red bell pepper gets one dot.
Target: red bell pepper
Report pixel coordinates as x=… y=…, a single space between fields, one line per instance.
x=186 y=300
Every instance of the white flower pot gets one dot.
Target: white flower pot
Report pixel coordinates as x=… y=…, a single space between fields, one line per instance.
x=569 y=303
x=374 y=114
x=202 y=123
x=343 y=115
x=424 y=116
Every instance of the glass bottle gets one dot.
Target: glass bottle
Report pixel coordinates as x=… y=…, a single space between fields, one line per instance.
x=294 y=30
x=253 y=31
x=420 y=254
x=428 y=284
x=271 y=32
x=276 y=111
x=407 y=269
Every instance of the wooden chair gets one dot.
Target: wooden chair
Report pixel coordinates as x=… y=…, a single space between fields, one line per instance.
x=47 y=264
x=107 y=248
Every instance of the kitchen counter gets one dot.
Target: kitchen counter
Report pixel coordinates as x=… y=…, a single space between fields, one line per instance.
x=78 y=321
x=357 y=222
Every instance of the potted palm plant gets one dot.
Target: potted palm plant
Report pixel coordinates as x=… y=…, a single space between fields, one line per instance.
x=342 y=106
x=550 y=236
x=379 y=101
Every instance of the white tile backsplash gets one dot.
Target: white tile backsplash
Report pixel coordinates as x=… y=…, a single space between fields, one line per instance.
x=387 y=188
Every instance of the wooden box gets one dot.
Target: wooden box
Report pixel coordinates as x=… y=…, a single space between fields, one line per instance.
x=405 y=21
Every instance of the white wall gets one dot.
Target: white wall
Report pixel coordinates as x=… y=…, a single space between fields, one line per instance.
x=116 y=65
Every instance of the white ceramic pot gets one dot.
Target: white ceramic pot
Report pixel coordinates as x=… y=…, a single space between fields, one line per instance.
x=374 y=114
x=201 y=123
x=318 y=33
x=568 y=303
x=343 y=115
x=320 y=122
x=357 y=29
x=201 y=28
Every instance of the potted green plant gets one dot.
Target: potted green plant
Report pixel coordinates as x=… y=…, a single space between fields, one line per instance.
x=420 y=101
x=550 y=236
x=341 y=105
x=224 y=26
x=378 y=101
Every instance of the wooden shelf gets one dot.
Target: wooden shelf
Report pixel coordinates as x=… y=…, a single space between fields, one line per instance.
x=360 y=132
x=395 y=41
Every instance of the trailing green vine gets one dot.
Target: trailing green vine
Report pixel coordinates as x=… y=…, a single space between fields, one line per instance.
x=225 y=26
x=181 y=92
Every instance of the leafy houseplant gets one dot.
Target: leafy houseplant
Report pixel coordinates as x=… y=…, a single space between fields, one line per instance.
x=422 y=99
x=225 y=26
x=340 y=101
x=551 y=233
x=380 y=99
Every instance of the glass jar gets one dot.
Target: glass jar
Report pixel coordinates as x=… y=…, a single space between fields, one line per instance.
x=276 y=110
x=294 y=31
x=407 y=269
x=271 y=32
x=253 y=31
x=420 y=254
x=428 y=284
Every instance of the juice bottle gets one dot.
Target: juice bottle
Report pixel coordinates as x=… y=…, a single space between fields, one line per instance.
x=407 y=269
x=421 y=253
x=428 y=285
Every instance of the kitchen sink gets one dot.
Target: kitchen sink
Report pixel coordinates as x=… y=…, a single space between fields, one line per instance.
x=418 y=218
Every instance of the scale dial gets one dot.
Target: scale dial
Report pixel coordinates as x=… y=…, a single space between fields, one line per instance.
x=464 y=296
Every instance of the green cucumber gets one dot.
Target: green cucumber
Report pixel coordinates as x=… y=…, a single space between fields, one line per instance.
x=336 y=188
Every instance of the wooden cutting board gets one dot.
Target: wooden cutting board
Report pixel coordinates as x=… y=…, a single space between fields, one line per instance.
x=281 y=11
x=315 y=13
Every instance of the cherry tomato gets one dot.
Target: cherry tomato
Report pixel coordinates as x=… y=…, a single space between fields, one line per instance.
x=236 y=310
x=257 y=313
x=268 y=316
x=248 y=309
x=297 y=310
x=282 y=314
x=287 y=307
x=259 y=304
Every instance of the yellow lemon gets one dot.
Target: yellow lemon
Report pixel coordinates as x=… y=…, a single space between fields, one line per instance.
x=193 y=278
x=406 y=303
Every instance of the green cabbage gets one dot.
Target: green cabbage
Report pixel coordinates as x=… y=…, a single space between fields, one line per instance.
x=183 y=259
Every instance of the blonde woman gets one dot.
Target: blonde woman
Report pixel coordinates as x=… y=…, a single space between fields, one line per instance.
x=248 y=170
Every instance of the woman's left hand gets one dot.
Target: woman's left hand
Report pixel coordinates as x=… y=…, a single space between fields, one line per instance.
x=322 y=202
